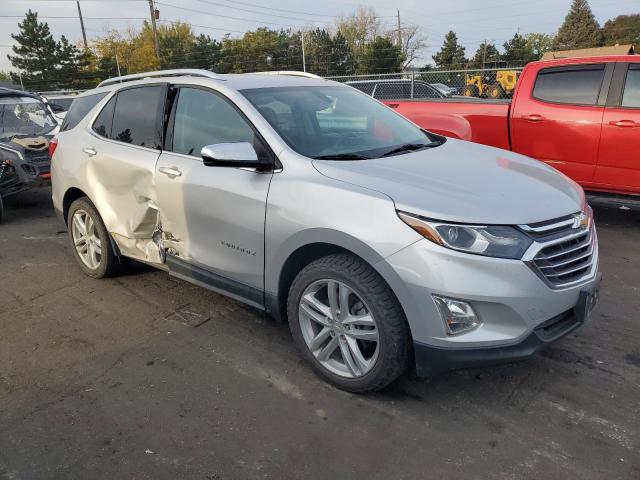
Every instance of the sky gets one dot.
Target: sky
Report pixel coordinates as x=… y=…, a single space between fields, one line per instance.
x=472 y=20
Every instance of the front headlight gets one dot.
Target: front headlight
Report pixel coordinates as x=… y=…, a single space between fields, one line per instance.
x=489 y=240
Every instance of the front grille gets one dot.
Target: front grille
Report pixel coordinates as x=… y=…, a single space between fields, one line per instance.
x=568 y=259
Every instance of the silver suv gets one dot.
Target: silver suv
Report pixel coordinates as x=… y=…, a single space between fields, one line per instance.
x=380 y=243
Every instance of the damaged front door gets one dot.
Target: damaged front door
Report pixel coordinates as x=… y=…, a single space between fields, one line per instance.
x=122 y=153
x=212 y=217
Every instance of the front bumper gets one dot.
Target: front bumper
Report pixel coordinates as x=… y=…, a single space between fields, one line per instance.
x=515 y=305
x=432 y=360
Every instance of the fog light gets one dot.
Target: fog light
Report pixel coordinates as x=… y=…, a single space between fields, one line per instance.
x=458 y=316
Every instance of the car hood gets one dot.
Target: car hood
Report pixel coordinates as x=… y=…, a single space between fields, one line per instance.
x=464 y=182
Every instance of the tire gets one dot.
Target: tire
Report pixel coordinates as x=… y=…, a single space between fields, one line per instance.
x=495 y=91
x=374 y=301
x=471 y=91
x=107 y=264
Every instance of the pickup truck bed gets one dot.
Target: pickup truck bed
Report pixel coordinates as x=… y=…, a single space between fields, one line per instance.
x=580 y=115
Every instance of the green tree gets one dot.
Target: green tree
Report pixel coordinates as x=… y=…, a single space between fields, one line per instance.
x=381 y=56
x=319 y=52
x=580 y=28
x=623 y=29
x=205 y=52
x=486 y=56
x=539 y=43
x=4 y=77
x=451 y=55
x=517 y=52
x=73 y=68
x=175 y=41
x=35 y=55
x=343 y=61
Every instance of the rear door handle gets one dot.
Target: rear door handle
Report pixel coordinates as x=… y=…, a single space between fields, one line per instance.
x=534 y=117
x=624 y=123
x=171 y=172
x=90 y=151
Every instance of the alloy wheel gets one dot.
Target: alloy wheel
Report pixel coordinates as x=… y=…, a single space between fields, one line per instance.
x=85 y=239
x=338 y=328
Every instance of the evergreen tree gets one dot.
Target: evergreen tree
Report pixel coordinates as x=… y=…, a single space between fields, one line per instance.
x=579 y=29
x=517 y=52
x=451 y=55
x=487 y=56
x=205 y=52
x=319 y=52
x=381 y=56
x=342 y=59
x=623 y=29
x=35 y=55
x=72 y=70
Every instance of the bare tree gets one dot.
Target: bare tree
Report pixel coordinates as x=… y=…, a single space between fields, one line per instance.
x=413 y=42
x=360 y=28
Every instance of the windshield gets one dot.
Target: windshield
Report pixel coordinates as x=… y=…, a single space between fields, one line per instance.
x=334 y=121
x=24 y=116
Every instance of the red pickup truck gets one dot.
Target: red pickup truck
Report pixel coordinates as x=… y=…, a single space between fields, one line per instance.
x=580 y=115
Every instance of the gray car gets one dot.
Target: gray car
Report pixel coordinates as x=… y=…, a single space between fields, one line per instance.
x=380 y=243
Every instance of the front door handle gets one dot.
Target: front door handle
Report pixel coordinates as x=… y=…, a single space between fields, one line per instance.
x=534 y=117
x=624 y=123
x=171 y=172
x=90 y=151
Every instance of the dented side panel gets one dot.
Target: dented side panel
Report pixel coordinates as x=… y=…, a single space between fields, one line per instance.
x=122 y=185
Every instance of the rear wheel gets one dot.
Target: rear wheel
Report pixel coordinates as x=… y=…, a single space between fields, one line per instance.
x=348 y=323
x=90 y=240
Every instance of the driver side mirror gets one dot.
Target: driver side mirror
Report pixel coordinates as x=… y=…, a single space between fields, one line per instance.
x=238 y=155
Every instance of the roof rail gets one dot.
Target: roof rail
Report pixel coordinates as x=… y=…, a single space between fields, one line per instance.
x=293 y=73
x=179 y=72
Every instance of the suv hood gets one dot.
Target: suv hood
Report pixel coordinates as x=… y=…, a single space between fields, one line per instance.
x=465 y=182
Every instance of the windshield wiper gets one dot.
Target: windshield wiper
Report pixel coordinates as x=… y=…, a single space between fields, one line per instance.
x=342 y=156
x=410 y=147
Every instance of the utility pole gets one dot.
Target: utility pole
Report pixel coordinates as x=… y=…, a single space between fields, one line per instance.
x=84 y=34
x=399 y=32
x=484 y=53
x=156 y=45
x=304 y=62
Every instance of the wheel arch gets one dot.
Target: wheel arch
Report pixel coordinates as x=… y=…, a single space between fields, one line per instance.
x=277 y=289
x=71 y=195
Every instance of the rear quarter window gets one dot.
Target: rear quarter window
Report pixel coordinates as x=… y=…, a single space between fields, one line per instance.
x=631 y=94
x=576 y=85
x=79 y=109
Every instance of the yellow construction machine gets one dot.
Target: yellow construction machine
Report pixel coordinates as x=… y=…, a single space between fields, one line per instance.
x=497 y=84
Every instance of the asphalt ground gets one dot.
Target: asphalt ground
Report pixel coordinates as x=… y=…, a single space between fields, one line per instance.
x=147 y=377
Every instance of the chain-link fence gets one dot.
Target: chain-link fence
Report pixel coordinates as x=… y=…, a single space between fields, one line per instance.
x=498 y=83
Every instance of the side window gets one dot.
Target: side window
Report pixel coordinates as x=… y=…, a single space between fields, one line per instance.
x=102 y=124
x=631 y=94
x=136 y=118
x=579 y=85
x=364 y=87
x=79 y=108
x=203 y=118
x=386 y=91
x=420 y=90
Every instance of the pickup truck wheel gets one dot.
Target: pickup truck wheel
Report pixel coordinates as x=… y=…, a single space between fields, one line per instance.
x=90 y=240
x=348 y=323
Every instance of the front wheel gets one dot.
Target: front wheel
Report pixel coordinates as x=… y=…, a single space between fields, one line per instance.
x=348 y=323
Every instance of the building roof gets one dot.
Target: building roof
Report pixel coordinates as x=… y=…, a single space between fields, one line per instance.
x=591 y=52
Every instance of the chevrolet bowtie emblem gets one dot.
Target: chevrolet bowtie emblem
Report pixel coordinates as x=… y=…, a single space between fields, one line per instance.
x=580 y=221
